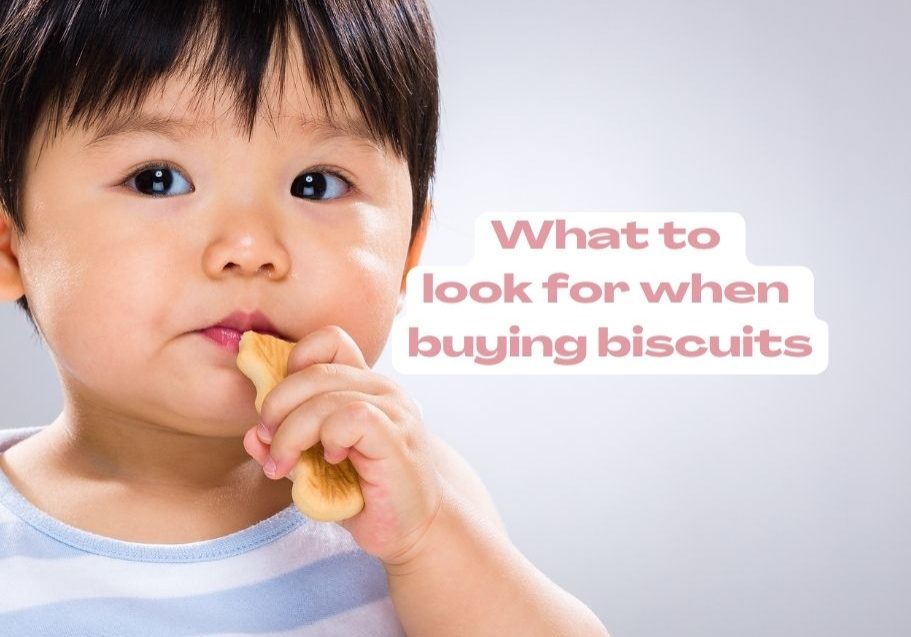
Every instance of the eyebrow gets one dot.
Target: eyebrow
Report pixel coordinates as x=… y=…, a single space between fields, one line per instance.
x=320 y=128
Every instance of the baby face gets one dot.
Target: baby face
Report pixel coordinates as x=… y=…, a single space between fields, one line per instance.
x=139 y=239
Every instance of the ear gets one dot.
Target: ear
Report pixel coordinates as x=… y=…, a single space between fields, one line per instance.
x=10 y=276
x=414 y=253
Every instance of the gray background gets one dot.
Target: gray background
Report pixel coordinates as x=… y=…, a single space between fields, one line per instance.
x=674 y=505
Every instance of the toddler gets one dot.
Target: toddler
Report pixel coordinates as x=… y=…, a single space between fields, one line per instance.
x=177 y=173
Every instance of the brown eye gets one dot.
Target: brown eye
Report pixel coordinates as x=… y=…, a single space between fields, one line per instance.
x=319 y=185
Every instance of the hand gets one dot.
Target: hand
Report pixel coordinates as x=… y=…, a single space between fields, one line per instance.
x=332 y=396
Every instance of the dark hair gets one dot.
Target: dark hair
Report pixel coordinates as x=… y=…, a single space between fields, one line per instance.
x=90 y=59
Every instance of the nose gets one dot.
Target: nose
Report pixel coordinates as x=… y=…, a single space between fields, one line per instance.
x=246 y=246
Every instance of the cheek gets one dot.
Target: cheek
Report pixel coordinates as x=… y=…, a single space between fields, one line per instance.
x=360 y=276
x=97 y=297
x=365 y=298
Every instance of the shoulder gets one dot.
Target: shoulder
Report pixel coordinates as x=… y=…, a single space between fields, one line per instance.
x=10 y=436
x=463 y=478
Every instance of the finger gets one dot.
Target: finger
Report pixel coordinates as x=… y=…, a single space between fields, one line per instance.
x=316 y=379
x=303 y=428
x=300 y=429
x=329 y=344
x=256 y=447
x=363 y=433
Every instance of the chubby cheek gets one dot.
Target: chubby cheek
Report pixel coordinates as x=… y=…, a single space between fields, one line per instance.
x=366 y=298
x=99 y=311
x=352 y=277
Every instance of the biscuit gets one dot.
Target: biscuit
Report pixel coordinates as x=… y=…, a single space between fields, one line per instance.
x=322 y=491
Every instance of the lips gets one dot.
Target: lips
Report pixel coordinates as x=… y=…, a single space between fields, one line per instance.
x=241 y=322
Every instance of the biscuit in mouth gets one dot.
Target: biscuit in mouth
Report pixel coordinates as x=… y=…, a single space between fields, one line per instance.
x=322 y=491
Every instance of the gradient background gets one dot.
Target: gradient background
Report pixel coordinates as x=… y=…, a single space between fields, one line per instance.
x=682 y=505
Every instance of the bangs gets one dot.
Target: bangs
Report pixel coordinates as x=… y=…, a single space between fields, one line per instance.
x=136 y=46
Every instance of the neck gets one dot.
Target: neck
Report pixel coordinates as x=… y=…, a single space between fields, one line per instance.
x=153 y=457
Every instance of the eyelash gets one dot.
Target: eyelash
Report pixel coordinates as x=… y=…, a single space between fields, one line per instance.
x=335 y=172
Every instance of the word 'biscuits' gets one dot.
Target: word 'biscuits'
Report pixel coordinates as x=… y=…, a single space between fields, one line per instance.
x=322 y=491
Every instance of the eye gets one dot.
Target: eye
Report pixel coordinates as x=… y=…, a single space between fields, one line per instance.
x=320 y=184
x=157 y=180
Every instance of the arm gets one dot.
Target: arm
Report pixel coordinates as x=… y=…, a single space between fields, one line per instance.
x=467 y=578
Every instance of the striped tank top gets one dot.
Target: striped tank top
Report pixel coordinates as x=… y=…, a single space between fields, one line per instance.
x=285 y=576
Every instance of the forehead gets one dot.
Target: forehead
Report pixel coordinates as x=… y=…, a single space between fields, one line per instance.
x=180 y=124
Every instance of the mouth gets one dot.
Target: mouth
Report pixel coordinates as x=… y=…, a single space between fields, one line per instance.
x=228 y=331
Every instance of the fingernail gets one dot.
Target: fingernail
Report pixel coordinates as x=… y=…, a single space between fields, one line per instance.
x=269 y=467
x=263 y=433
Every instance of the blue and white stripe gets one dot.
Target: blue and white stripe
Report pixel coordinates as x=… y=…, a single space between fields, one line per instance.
x=285 y=576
